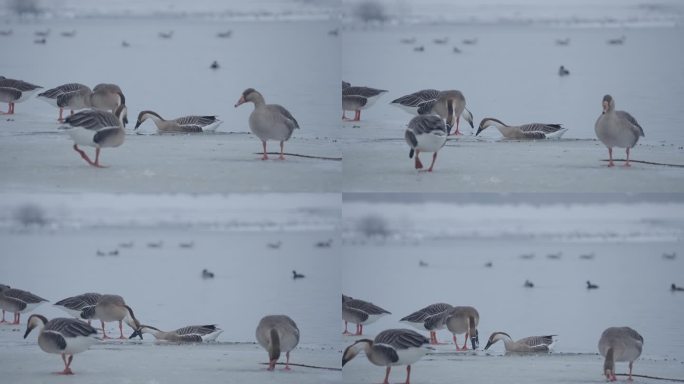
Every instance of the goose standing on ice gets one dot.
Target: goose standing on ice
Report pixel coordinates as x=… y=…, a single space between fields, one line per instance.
x=525 y=131
x=617 y=129
x=189 y=334
x=427 y=133
x=73 y=96
x=357 y=98
x=432 y=101
x=15 y=91
x=99 y=129
x=81 y=306
x=276 y=334
x=428 y=319
x=361 y=313
x=463 y=320
x=113 y=308
x=619 y=344
x=17 y=301
x=66 y=337
x=527 y=344
x=185 y=124
x=389 y=348
x=268 y=121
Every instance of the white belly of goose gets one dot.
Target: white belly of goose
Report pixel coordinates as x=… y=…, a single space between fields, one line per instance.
x=74 y=345
x=431 y=142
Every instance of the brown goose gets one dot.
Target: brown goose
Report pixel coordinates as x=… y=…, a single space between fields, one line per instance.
x=113 y=308
x=99 y=129
x=185 y=124
x=276 y=334
x=17 y=301
x=15 y=91
x=617 y=129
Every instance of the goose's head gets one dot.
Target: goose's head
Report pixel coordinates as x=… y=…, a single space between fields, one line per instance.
x=34 y=321
x=351 y=351
x=486 y=123
x=494 y=337
x=144 y=115
x=608 y=103
x=250 y=95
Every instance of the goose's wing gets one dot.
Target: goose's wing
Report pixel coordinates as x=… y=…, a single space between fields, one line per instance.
x=23 y=296
x=200 y=121
x=538 y=127
x=197 y=330
x=537 y=341
x=362 y=91
x=65 y=88
x=19 y=85
x=366 y=307
x=436 y=320
x=386 y=354
x=423 y=313
x=80 y=302
x=416 y=98
x=401 y=338
x=93 y=120
x=70 y=327
x=637 y=128
x=426 y=106
x=289 y=119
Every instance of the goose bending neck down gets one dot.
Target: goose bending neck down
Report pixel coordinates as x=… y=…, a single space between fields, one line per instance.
x=277 y=334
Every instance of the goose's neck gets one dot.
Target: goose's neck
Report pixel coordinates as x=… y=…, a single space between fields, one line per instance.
x=154 y=117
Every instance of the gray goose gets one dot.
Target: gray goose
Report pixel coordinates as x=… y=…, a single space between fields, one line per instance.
x=527 y=344
x=428 y=319
x=276 y=334
x=361 y=313
x=99 y=129
x=185 y=124
x=356 y=98
x=268 y=121
x=80 y=306
x=389 y=348
x=619 y=344
x=427 y=133
x=432 y=101
x=73 y=96
x=66 y=337
x=617 y=129
x=15 y=91
x=525 y=131
x=17 y=301
x=113 y=308
x=189 y=334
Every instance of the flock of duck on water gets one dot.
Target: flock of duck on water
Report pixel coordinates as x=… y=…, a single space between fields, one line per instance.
x=68 y=336
x=437 y=111
x=103 y=117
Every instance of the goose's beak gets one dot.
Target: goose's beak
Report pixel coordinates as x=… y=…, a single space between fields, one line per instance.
x=240 y=102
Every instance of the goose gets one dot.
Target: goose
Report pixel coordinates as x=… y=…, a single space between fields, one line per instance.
x=361 y=313
x=427 y=133
x=489 y=264
x=66 y=337
x=432 y=101
x=189 y=334
x=527 y=344
x=357 y=98
x=113 y=308
x=215 y=65
x=427 y=319
x=675 y=288
x=108 y=97
x=296 y=275
x=527 y=256
x=17 y=301
x=157 y=244
x=206 y=274
x=619 y=344
x=99 y=129
x=268 y=121
x=463 y=320
x=617 y=129
x=71 y=96
x=472 y=41
x=185 y=124
x=128 y=244
x=15 y=91
x=528 y=284
x=525 y=131
x=562 y=71
x=591 y=286
x=81 y=306
x=389 y=348
x=276 y=334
